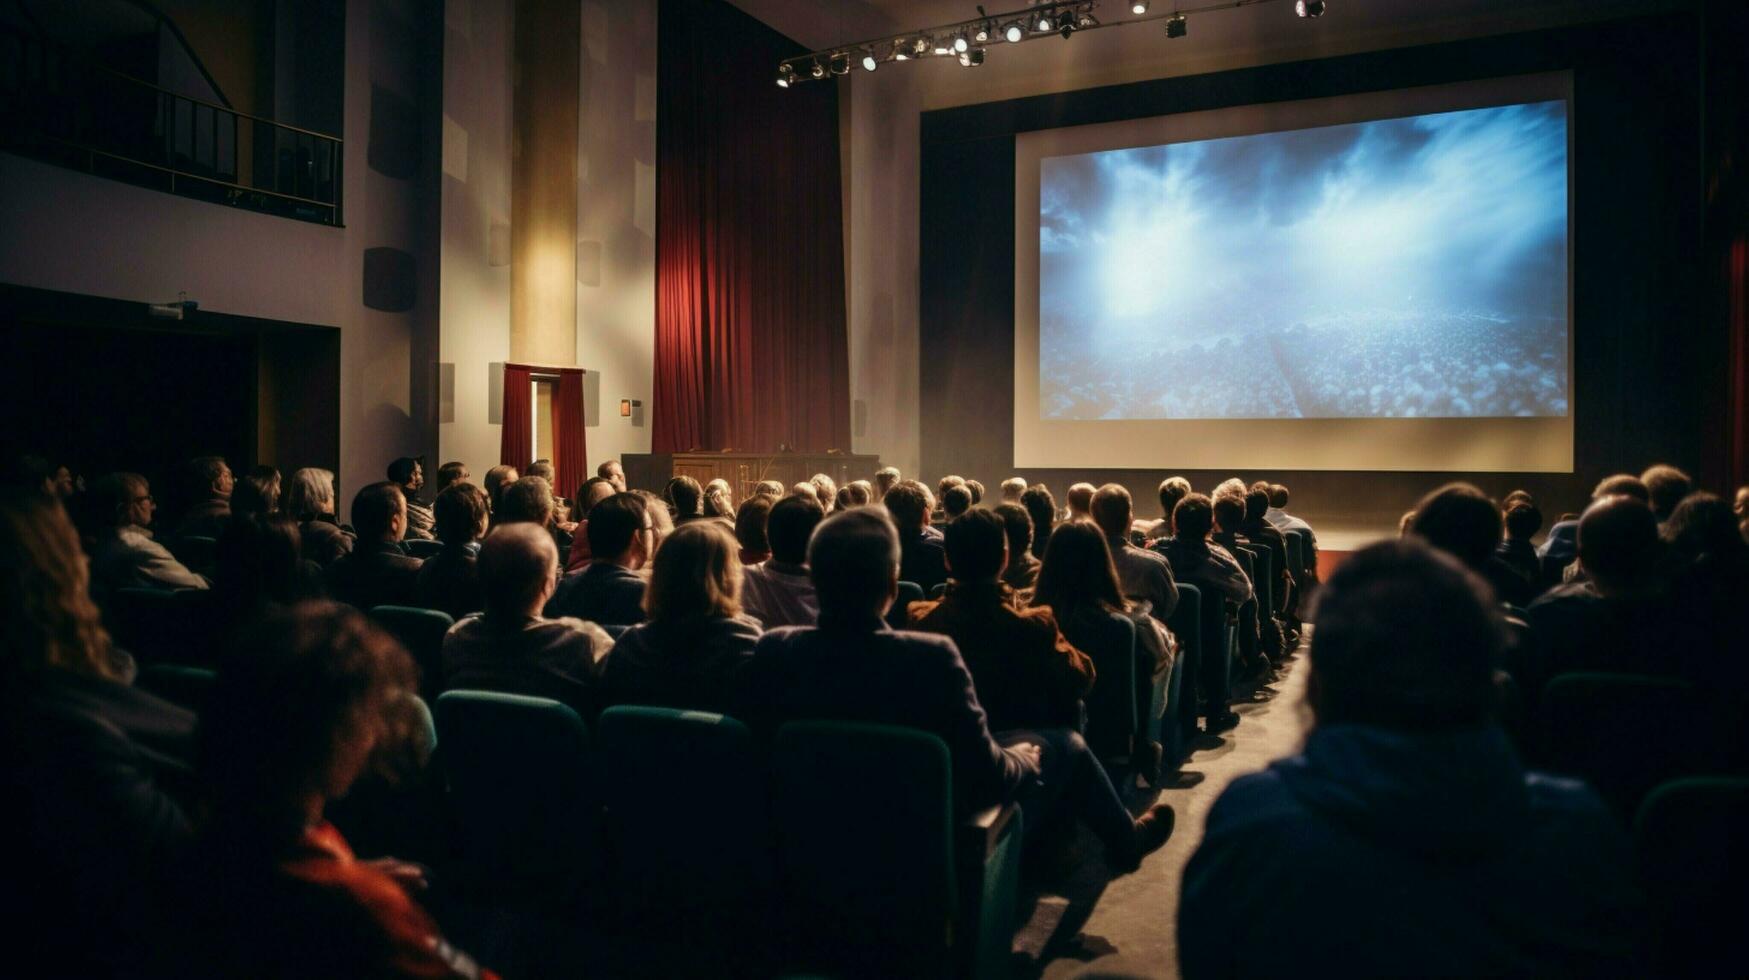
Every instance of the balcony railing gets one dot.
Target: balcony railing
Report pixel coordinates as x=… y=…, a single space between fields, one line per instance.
x=59 y=107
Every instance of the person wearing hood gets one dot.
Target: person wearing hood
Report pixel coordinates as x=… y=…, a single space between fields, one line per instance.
x=1406 y=838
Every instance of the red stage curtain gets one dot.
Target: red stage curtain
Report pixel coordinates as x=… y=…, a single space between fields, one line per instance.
x=516 y=440
x=751 y=350
x=570 y=462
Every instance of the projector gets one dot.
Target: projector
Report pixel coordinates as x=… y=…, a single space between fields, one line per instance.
x=172 y=311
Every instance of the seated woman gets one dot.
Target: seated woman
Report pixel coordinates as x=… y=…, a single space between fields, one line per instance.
x=450 y=579
x=95 y=772
x=696 y=638
x=323 y=697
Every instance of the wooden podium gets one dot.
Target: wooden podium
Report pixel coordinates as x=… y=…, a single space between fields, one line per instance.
x=652 y=471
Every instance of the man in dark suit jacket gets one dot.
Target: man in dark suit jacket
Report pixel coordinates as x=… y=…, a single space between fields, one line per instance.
x=851 y=667
x=377 y=572
x=609 y=589
x=922 y=558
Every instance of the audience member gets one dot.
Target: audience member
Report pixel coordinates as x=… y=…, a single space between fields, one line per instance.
x=257 y=494
x=1665 y=487
x=950 y=480
x=1523 y=520
x=826 y=489
x=125 y=555
x=1405 y=836
x=96 y=773
x=320 y=699
x=1460 y=520
x=922 y=560
x=686 y=498
x=1196 y=559
x=1143 y=575
x=259 y=563
x=779 y=591
x=1026 y=674
x=851 y=667
x=1561 y=545
x=1740 y=507
x=408 y=473
x=885 y=479
x=1172 y=490
x=1259 y=640
x=956 y=500
x=1616 y=619
x=1080 y=502
x=497 y=479
x=527 y=501
x=1022 y=568
x=768 y=488
x=210 y=483
x=750 y=530
x=1277 y=514
x=449 y=474
x=1260 y=532
x=719 y=501
x=661 y=519
x=309 y=500
x=1708 y=569
x=450 y=579
x=976 y=489
x=609 y=589
x=376 y=572
x=38 y=474
x=612 y=472
x=1012 y=488
x=511 y=646
x=695 y=638
x=1042 y=508
x=593 y=491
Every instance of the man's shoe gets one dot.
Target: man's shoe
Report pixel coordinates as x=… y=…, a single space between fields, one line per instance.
x=1153 y=829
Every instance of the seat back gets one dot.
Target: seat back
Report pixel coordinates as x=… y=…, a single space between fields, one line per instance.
x=669 y=855
x=1110 y=642
x=197 y=551
x=517 y=773
x=863 y=816
x=421 y=631
x=186 y=687
x=1694 y=865
x=422 y=548
x=1175 y=725
x=163 y=627
x=909 y=592
x=938 y=590
x=1623 y=733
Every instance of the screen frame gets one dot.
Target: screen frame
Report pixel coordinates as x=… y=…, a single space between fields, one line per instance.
x=1491 y=444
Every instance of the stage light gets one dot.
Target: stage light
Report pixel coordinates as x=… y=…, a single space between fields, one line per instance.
x=1139 y=7
x=982 y=34
x=841 y=64
x=785 y=75
x=972 y=58
x=920 y=47
x=1086 y=20
x=1043 y=24
x=901 y=50
x=1177 y=26
x=961 y=43
x=868 y=60
x=818 y=71
x=1014 y=32
x=1310 y=8
x=1066 y=30
x=943 y=47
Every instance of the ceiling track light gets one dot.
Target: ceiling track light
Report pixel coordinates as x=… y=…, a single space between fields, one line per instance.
x=966 y=41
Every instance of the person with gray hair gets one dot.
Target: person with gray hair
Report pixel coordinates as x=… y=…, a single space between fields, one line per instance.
x=1012 y=488
x=852 y=667
x=511 y=647
x=886 y=478
x=126 y=555
x=309 y=500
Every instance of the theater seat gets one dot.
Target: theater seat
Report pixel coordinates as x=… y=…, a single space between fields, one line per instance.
x=518 y=784
x=672 y=859
x=162 y=627
x=876 y=877
x=1112 y=724
x=1624 y=733
x=1174 y=725
x=421 y=631
x=1694 y=865
x=909 y=592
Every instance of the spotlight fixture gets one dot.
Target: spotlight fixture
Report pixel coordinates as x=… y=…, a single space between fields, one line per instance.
x=943 y=46
x=961 y=43
x=1014 y=32
x=1139 y=7
x=818 y=71
x=901 y=50
x=786 y=74
x=1177 y=26
x=1085 y=20
x=868 y=60
x=972 y=58
x=920 y=47
x=1043 y=24
x=1310 y=8
x=841 y=64
x=985 y=29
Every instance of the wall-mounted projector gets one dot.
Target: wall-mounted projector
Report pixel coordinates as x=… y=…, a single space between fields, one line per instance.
x=173 y=311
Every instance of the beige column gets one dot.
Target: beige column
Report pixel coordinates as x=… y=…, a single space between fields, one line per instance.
x=543 y=183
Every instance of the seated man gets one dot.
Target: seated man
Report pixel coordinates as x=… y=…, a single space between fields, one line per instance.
x=1259 y=531
x=1212 y=568
x=922 y=558
x=1523 y=519
x=408 y=473
x=1172 y=490
x=1665 y=486
x=1460 y=520
x=853 y=668
x=886 y=478
x=1012 y=488
x=1406 y=837
x=125 y=555
x=376 y=572
x=511 y=647
x=613 y=473
x=1255 y=639
x=779 y=592
x=1026 y=674
x=686 y=498
x=1143 y=574
x=449 y=474
x=1080 y=501
x=211 y=482
x=1561 y=546
x=609 y=589
x=956 y=501
x=1618 y=619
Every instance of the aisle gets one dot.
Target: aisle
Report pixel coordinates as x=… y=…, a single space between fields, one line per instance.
x=1132 y=930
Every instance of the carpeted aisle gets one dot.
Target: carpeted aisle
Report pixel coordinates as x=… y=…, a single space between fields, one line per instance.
x=1132 y=931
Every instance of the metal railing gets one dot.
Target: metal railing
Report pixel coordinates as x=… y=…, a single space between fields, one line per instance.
x=59 y=107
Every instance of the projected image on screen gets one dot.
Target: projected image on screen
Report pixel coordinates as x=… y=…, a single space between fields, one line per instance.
x=1412 y=267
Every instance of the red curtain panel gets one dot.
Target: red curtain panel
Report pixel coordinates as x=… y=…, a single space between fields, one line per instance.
x=751 y=352
x=516 y=440
x=569 y=456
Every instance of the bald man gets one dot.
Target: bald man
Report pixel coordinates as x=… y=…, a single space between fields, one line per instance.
x=1080 y=501
x=511 y=647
